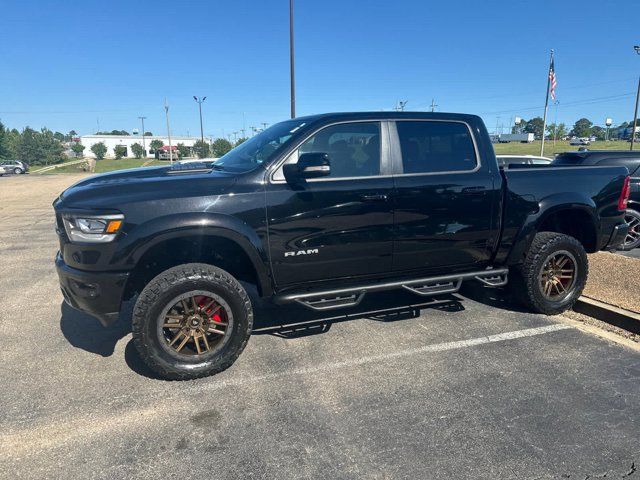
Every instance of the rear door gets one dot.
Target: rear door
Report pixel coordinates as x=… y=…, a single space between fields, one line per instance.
x=445 y=198
x=340 y=225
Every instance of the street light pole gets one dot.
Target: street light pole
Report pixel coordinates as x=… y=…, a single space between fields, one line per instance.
x=144 y=146
x=292 y=62
x=635 y=112
x=166 y=112
x=199 y=101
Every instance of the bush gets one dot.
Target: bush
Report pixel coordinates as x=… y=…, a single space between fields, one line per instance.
x=119 y=151
x=137 y=150
x=77 y=148
x=220 y=146
x=201 y=148
x=99 y=150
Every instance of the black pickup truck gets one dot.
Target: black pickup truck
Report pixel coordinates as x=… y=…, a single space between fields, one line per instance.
x=629 y=159
x=322 y=210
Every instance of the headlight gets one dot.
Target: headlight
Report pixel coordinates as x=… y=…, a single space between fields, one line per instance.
x=92 y=229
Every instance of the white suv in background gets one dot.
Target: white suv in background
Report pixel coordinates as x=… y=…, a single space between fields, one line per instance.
x=13 y=166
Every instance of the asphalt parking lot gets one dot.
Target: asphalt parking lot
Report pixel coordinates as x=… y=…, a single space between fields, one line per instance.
x=467 y=386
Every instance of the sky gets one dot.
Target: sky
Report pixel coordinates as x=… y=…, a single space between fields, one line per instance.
x=101 y=64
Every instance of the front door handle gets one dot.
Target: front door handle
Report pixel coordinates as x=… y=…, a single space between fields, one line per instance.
x=473 y=190
x=375 y=198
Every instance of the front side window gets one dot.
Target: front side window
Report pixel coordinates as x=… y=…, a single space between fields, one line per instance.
x=260 y=148
x=353 y=148
x=432 y=147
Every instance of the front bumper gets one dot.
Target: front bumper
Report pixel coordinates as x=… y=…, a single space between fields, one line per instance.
x=97 y=293
x=617 y=237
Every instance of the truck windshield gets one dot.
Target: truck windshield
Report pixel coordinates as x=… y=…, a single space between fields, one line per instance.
x=259 y=148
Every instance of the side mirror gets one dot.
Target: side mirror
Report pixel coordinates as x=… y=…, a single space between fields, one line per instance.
x=310 y=165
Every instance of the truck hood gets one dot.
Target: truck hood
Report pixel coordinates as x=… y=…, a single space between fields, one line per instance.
x=139 y=184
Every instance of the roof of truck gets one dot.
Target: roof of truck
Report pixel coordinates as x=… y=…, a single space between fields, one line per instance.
x=389 y=116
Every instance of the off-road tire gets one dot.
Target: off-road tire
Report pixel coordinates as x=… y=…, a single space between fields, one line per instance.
x=524 y=279
x=175 y=281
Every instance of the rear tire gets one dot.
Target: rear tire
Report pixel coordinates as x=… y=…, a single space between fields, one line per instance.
x=553 y=274
x=632 y=240
x=182 y=294
x=18 y=171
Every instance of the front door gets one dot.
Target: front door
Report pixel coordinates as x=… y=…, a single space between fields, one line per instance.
x=336 y=226
x=445 y=199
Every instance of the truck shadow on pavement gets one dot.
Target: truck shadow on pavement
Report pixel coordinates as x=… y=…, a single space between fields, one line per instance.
x=288 y=322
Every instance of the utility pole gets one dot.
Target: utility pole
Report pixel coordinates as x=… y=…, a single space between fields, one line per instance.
x=144 y=146
x=166 y=113
x=546 y=104
x=199 y=102
x=264 y=125
x=433 y=105
x=292 y=62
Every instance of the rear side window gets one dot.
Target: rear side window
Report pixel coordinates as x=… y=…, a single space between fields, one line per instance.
x=433 y=147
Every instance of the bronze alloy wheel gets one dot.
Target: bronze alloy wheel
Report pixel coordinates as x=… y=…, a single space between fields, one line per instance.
x=195 y=323
x=558 y=275
x=633 y=236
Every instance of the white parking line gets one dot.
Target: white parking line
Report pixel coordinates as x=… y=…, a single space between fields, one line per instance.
x=355 y=362
x=58 y=432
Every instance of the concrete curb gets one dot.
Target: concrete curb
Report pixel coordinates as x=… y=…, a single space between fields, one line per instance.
x=611 y=314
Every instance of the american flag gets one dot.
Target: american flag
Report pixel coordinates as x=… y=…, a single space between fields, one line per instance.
x=552 y=79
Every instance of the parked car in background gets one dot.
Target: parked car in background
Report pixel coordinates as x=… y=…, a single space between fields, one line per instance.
x=321 y=211
x=579 y=141
x=507 y=160
x=629 y=159
x=13 y=166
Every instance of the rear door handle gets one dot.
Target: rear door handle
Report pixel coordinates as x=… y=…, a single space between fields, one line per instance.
x=375 y=198
x=473 y=191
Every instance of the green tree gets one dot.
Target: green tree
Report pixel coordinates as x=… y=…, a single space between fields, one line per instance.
x=183 y=150
x=137 y=150
x=598 y=132
x=148 y=134
x=201 y=148
x=155 y=145
x=558 y=131
x=534 y=126
x=39 y=148
x=4 y=142
x=77 y=148
x=12 y=140
x=220 y=146
x=582 y=128
x=99 y=150
x=119 y=151
x=240 y=140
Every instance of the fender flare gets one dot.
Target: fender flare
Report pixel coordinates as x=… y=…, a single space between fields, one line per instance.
x=547 y=207
x=168 y=227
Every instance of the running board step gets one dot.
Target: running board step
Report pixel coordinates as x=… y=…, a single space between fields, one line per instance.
x=352 y=296
x=499 y=280
x=435 y=288
x=330 y=303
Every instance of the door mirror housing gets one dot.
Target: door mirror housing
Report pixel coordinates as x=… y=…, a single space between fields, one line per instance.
x=310 y=165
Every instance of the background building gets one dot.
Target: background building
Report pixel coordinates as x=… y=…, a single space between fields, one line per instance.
x=111 y=141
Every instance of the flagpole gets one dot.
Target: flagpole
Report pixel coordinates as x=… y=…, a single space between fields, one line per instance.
x=546 y=105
